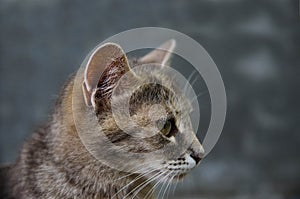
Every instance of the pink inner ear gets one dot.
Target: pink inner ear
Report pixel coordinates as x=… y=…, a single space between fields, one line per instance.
x=104 y=68
x=94 y=70
x=86 y=95
x=113 y=72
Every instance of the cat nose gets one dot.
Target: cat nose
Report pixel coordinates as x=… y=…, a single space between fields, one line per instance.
x=196 y=151
x=196 y=156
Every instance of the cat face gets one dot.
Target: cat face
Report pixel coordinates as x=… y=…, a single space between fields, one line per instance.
x=140 y=109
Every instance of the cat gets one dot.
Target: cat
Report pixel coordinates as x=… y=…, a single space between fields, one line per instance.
x=54 y=162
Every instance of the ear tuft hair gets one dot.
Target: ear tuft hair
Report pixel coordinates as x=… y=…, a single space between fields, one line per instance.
x=104 y=68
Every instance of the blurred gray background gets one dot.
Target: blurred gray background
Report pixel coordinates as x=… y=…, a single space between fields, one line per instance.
x=255 y=44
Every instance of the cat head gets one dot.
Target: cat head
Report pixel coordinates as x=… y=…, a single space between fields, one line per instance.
x=158 y=115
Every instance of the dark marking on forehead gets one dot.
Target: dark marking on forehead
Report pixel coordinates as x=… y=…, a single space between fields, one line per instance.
x=149 y=94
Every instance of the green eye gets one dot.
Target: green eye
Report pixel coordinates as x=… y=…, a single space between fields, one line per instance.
x=165 y=127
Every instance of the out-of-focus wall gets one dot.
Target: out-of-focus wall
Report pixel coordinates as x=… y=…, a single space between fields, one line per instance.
x=256 y=45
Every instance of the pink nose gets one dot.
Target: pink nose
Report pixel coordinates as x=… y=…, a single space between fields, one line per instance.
x=196 y=156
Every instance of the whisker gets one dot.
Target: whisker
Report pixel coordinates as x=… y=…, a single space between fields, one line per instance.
x=134 y=180
x=127 y=175
x=188 y=80
x=156 y=178
x=177 y=180
x=132 y=171
x=143 y=183
x=194 y=81
x=140 y=169
x=164 y=181
x=169 y=180
x=199 y=95
x=153 y=188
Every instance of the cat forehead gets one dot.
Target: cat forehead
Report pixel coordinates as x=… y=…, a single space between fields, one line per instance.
x=164 y=108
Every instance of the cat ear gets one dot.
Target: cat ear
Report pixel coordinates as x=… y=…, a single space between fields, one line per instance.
x=160 y=55
x=103 y=70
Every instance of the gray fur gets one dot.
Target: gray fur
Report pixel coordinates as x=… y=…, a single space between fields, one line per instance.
x=54 y=163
